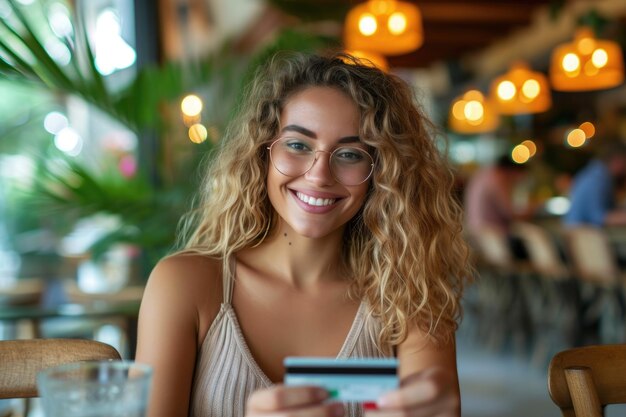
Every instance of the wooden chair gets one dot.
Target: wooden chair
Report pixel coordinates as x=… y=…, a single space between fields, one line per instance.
x=552 y=293
x=88 y=326
x=583 y=380
x=602 y=290
x=543 y=253
x=125 y=295
x=21 y=360
x=592 y=256
x=500 y=302
x=491 y=249
x=22 y=292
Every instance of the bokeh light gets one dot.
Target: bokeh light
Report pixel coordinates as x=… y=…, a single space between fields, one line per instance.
x=191 y=105
x=506 y=90
x=571 y=63
x=532 y=147
x=473 y=111
x=396 y=23
x=59 y=20
x=54 y=122
x=69 y=141
x=600 y=58
x=588 y=128
x=576 y=138
x=520 y=154
x=531 y=88
x=367 y=24
x=198 y=133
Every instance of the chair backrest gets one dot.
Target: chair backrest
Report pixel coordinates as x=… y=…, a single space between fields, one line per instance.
x=583 y=380
x=21 y=360
x=22 y=292
x=126 y=294
x=542 y=250
x=591 y=254
x=492 y=248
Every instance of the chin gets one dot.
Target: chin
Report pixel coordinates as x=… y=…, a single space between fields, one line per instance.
x=310 y=232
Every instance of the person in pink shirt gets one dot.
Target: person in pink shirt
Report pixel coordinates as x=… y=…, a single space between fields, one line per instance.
x=488 y=200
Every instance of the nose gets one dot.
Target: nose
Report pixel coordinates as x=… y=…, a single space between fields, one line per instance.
x=320 y=173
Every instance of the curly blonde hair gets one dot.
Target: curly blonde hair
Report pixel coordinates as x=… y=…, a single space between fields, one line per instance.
x=404 y=249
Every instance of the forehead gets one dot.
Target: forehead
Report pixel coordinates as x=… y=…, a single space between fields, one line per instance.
x=321 y=109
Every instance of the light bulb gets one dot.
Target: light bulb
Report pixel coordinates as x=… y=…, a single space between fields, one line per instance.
x=367 y=24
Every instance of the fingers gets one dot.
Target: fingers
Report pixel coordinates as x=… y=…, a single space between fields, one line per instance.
x=304 y=401
x=429 y=393
x=420 y=390
x=446 y=407
x=280 y=396
x=321 y=410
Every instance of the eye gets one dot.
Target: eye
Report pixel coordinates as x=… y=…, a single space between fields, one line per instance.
x=349 y=155
x=296 y=145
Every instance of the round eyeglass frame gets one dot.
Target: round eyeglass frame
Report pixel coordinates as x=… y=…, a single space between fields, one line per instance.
x=330 y=154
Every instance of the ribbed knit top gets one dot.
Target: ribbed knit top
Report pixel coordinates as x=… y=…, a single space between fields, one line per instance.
x=227 y=373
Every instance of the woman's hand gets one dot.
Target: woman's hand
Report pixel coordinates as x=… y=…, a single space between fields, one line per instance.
x=432 y=392
x=303 y=401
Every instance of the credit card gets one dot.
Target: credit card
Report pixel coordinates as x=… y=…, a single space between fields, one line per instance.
x=346 y=380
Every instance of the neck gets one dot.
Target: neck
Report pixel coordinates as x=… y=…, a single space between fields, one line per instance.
x=298 y=260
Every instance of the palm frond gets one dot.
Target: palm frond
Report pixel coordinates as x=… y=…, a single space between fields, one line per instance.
x=148 y=211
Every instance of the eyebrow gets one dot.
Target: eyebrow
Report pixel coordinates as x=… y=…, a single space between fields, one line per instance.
x=306 y=132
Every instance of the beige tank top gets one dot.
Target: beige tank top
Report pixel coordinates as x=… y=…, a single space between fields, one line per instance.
x=226 y=373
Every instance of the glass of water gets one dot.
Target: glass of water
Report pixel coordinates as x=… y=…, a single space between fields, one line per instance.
x=95 y=389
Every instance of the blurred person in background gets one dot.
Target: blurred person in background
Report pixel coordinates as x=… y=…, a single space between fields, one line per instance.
x=489 y=203
x=594 y=190
x=326 y=227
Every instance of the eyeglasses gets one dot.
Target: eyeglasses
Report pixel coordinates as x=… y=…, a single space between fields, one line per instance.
x=294 y=157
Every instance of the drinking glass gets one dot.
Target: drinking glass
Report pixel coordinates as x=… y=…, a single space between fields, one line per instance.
x=95 y=389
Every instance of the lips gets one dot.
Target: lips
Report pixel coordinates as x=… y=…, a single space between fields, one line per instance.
x=315 y=201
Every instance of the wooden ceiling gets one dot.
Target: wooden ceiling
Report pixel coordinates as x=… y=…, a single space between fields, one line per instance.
x=453 y=29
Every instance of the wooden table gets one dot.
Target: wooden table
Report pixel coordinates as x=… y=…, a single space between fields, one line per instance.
x=128 y=311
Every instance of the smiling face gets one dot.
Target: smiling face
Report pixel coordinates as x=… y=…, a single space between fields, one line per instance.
x=314 y=204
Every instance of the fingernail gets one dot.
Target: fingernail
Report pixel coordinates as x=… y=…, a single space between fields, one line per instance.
x=382 y=401
x=370 y=406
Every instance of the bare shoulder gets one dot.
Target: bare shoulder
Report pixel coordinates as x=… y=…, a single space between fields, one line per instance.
x=189 y=283
x=188 y=273
x=181 y=299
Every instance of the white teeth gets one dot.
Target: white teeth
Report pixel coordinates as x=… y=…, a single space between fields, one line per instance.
x=315 y=201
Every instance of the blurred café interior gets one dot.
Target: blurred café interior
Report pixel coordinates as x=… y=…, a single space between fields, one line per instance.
x=109 y=107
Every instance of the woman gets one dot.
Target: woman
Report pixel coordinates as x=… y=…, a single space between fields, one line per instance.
x=326 y=227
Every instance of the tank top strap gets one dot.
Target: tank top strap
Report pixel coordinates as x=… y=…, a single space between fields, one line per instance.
x=228 y=279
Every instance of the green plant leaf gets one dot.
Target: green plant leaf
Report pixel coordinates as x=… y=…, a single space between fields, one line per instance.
x=45 y=64
x=148 y=210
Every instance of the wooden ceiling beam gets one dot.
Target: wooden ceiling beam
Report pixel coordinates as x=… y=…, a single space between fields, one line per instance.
x=450 y=36
x=424 y=56
x=477 y=12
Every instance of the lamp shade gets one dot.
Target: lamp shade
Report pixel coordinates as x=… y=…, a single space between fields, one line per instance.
x=472 y=113
x=521 y=91
x=586 y=64
x=388 y=27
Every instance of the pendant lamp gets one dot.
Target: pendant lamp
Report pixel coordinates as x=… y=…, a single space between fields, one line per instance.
x=472 y=113
x=521 y=91
x=387 y=27
x=586 y=63
x=370 y=59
